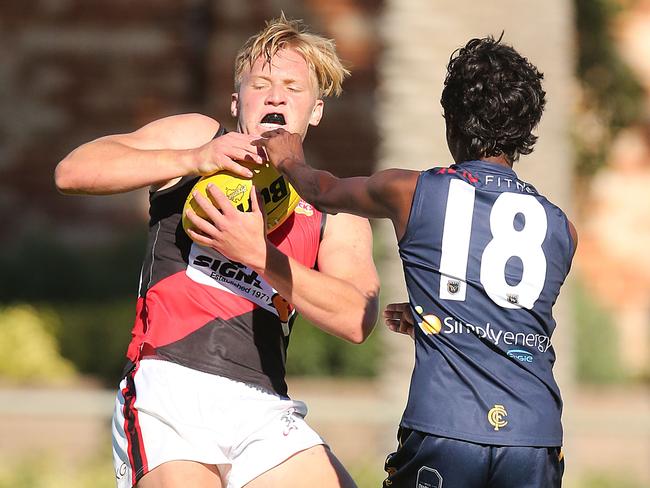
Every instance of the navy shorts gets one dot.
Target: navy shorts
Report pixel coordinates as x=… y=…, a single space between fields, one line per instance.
x=428 y=461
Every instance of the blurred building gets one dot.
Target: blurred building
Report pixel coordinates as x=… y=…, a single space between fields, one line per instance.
x=615 y=234
x=73 y=71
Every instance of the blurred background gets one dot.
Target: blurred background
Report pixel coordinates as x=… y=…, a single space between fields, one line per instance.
x=73 y=70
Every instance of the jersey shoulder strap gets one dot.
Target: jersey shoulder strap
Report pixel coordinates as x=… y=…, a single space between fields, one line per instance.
x=222 y=131
x=185 y=181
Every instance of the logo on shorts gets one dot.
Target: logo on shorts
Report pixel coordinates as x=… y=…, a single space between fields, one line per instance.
x=496 y=417
x=121 y=471
x=289 y=421
x=428 y=478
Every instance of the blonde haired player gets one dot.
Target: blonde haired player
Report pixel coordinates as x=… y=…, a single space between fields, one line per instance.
x=204 y=402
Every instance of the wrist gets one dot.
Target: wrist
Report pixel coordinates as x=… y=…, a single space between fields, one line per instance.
x=258 y=258
x=289 y=163
x=190 y=161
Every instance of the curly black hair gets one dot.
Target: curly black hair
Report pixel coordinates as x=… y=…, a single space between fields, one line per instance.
x=492 y=101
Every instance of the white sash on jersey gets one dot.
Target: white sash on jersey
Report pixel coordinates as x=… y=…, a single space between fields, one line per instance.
x=211 y=268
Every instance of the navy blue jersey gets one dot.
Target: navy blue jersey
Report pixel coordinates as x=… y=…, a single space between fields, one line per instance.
x=484 y=258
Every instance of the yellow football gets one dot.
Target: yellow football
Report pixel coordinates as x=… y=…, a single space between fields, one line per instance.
x=280 y=198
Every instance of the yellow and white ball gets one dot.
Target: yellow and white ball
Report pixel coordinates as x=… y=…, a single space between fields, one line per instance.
x=280 y=198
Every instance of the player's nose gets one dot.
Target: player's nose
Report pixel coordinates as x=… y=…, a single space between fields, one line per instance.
x=276 y=96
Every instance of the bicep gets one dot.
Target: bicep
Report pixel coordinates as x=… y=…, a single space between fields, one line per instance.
x=185 y=131
x=346 y=253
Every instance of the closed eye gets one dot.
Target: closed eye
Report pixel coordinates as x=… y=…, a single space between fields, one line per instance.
x=258 y=82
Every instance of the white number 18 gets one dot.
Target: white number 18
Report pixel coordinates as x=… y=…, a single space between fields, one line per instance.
x=507 y=242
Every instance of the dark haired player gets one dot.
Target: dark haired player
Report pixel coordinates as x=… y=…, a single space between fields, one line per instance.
x=484 y=256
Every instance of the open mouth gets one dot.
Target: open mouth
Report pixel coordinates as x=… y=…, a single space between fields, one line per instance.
x=273 y=118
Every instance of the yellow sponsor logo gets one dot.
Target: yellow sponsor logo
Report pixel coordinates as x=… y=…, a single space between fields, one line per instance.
x=496 y=417
x=430 y=323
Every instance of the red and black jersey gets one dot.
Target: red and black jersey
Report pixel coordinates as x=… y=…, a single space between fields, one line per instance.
x=201 y=310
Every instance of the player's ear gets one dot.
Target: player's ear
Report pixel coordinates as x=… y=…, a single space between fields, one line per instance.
x=234 y=105
x=316 y=113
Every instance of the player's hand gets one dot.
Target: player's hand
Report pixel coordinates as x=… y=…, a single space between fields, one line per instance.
x=398 y=318
x=240 y=236
x=281 y=147
x=226 y=153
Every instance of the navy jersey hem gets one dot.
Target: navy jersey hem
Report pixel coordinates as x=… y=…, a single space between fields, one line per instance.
x=479 y=439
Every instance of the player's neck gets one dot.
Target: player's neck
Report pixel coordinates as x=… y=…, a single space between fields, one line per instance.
x=501 y=160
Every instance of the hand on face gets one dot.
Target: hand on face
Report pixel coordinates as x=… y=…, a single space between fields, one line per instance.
x=240 y=236
x=398 y=318
x=226 y=153
x=281 y=147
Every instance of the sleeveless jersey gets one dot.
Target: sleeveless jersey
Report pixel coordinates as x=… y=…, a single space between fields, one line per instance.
x=201 y=310
x=484 y=257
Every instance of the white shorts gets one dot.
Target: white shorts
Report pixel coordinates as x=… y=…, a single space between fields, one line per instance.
x=167 y=412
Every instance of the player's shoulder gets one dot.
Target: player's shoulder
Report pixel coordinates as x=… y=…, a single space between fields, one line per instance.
x=342 y=232
x=394 y=185
x=561 y=220
x=344 y=225
x=394 y=178
x=190 y=120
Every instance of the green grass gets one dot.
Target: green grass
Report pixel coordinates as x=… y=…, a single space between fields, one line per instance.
x=46 y=469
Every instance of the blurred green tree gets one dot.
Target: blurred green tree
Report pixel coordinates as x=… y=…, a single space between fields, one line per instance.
x=611 y=94
x=28 y=349
x=89 y=292
x=597 y=356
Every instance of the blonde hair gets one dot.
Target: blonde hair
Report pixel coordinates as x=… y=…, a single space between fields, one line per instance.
x=319 y=53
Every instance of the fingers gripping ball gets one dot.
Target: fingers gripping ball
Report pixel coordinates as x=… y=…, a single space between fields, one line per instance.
x=280 y=198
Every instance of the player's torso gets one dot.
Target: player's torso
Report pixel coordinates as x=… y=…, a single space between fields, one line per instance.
x=484 y=258
x=199 y=309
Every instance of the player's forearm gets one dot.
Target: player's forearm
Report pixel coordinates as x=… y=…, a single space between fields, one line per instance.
x=105 y=166
x=334 y=305
x=314 y=186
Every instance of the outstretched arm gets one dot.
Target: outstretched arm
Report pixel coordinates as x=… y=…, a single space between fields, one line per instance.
x=153 y=155
x=340 y=298
x=386 y=194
